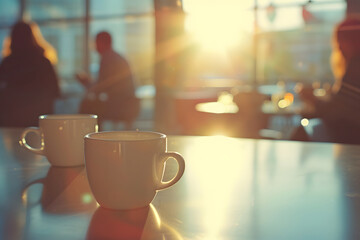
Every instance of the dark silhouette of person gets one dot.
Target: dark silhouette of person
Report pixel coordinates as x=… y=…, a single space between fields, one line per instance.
x=340 y=114
x=112 y=95
x=28 y=82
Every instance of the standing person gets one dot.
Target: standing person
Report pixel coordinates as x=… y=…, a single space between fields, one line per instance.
x=112 y=95
x=28 y=82
x=340 y=114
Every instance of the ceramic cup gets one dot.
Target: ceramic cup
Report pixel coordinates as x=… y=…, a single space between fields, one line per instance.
x=125 y=169
x=62 y=137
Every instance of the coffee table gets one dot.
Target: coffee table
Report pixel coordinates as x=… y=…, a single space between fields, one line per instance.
x=232 y=189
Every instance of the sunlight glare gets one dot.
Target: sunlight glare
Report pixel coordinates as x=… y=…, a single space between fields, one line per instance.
x=211 y=181
x=217 y=107
x=216 y=25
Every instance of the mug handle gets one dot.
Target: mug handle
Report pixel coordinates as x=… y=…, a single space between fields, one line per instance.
x=24 y=143
x=181 y=163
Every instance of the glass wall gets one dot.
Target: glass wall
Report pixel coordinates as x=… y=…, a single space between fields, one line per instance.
x=256 y=40
x=63 y=25
x=133 y=39
x=293 y=38
x=132 y=26
x=264 y=40
x=53 y=9
x=9 y=12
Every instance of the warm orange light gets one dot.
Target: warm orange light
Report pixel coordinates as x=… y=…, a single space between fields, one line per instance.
x=286 y=101
x=289 y=97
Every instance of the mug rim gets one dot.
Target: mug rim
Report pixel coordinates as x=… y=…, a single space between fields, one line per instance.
x=91 y=136
x=67 y=116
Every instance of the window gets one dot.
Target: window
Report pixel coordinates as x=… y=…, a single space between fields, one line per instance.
x=9 y=12
x=133 y=38
x=53 y=9
x=292 y=40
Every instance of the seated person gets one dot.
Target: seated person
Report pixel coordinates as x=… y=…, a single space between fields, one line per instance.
x=28 y=82
x=340 y=114
x=112 y=95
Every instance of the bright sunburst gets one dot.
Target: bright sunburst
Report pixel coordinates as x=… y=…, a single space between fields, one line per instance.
x=217 y=25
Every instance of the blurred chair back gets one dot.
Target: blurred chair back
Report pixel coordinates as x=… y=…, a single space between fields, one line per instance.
x=251 y=118
x=125 y=111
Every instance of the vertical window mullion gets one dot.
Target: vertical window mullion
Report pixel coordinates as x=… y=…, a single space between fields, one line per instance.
x=22 y=9
x=87 y=37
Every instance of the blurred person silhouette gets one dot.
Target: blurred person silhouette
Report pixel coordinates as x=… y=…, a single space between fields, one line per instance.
x=49 y=50
x=28 y=81
x=112 y=95
x=337 y=119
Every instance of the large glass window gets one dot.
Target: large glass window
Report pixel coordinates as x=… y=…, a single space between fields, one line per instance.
x=63 y=25
x=133 y=39
x=68 y=40
x=256 y=40
x=9 y=12
x=53 y=9
x=131 y=25
x=264 y=40
x=101 y=8
x=222 y=35
x=294 y=41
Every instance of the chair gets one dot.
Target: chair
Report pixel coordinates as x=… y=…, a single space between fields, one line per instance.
x=251 y=118
x=125 y=111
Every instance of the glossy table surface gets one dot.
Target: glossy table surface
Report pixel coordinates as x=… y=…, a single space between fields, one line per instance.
x=232 y=189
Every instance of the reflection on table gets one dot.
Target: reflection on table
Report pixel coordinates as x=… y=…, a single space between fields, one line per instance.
x=143 y=223
x=65 y=190
x=232 y=189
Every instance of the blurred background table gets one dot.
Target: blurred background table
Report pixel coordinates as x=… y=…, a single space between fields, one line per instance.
x=268 y=112
x=232 y=189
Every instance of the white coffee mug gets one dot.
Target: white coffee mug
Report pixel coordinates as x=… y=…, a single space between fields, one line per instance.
x=62 y=137
x=125 y=169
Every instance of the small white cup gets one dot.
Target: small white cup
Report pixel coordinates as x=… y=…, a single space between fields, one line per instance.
x=62 y=137
x=125 y=169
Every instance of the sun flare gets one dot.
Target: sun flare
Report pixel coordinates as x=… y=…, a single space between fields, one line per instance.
x=217 y=26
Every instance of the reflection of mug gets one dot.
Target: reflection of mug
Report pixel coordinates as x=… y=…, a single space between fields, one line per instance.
x=142 y=223
x=62 y=137
x=65 y=190
x=125 y=169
